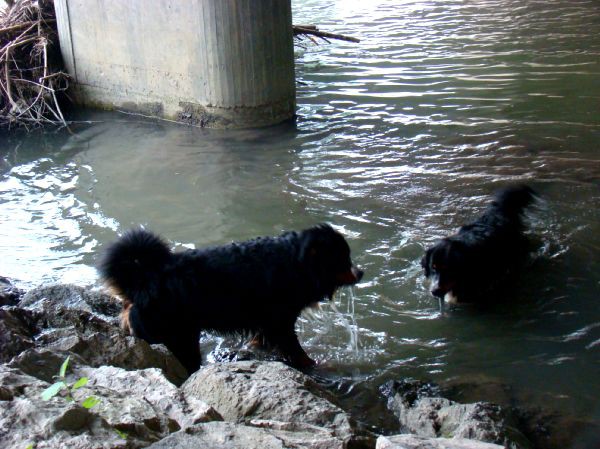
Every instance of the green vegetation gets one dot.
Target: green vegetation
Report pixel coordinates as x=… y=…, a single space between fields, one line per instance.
x=62 y=385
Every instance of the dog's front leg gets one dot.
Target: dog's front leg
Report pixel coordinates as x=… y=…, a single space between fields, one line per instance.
x=286 y=341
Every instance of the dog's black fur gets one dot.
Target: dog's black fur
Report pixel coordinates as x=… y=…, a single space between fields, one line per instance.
x=466 y=266
x=258 y=287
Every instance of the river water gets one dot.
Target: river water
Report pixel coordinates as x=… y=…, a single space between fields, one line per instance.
x=399 y=140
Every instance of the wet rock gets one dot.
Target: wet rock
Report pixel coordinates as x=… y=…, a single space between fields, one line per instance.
x=73 y=298
x=226 y=435
x=416 y=442
x=17 y=331
x=544 y=427
x=423 y=413
x=243 y=392
x=42 y=363
x=409 y=390
x=550 y=430
x=9 y=294
x=68 y=319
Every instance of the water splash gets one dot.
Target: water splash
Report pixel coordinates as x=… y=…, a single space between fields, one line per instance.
x=348 y=320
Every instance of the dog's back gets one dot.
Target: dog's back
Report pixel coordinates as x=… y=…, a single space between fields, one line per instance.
x=504 y=215
x=512 y=201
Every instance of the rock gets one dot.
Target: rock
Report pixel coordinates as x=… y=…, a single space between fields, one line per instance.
x=9 y=294
x=244 y=392
x=17 y=331
x=74 y=297
x=26 y=419
x=43 y=363
x=424 y=414
x=550 y=430
x=226 y=435
x=543 y=426
x=151 y=385
x=142 y=404
x=71 y=320
x=408 y=441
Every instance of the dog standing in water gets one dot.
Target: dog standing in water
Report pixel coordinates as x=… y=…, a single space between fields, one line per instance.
x=258 y=287
x=465 y=266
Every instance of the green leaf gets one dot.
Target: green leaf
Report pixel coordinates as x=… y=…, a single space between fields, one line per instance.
x=53 y=390
x=90 y=402
x=31 y=446
x=80 y=383
x=63 y=367
x=121 y=434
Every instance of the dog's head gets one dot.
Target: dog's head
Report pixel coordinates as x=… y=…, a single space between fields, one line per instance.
x=446 y=266
x=325 y=253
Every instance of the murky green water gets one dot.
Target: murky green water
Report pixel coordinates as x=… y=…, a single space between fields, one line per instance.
x=399 y=140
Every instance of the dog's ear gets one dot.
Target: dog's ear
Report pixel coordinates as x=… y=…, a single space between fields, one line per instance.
x=309 y=245
x=314 y=240
x=425 y=262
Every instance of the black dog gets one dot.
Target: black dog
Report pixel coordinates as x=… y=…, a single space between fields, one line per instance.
x=258 y=287
x=470 y=263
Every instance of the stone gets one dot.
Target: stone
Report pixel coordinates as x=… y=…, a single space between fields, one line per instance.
x=26 y=419
x=9 y=294
x=141 y=404
x=226 y=435
x=17 y=331
x=151 y=385
x=408 y=441
x=74 y=297
x=421 y=412
x=244 y=392
x=71 y=320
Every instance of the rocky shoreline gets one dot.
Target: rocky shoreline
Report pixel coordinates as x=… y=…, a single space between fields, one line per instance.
x=146 y=400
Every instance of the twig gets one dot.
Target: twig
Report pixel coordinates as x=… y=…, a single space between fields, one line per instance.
x=314 y=31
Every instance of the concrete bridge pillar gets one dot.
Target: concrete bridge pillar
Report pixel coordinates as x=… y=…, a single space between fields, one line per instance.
x=216 y=63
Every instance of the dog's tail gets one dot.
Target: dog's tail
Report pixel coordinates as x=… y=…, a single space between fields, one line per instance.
x=133 y=265
x=513 y=200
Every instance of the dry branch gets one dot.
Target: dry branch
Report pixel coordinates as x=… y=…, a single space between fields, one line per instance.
x=29 y=82
x=312 y=30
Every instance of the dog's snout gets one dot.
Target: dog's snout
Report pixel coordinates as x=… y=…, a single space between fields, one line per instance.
x=358 y=274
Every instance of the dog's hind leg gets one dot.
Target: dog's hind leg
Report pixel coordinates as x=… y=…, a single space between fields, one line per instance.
x=186 y=348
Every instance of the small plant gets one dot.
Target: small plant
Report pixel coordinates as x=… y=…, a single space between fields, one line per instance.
x=62 y=384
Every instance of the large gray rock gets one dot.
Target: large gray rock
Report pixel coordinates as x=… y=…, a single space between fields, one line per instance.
x=25 y=419
x=17 y=332
x=9 y=294
x=74 y=297
x=226 y=435
x=154 y=388
x=421 y=412
x=408 y=441
x=143 y=404
x=67 y=319
x=268 y=392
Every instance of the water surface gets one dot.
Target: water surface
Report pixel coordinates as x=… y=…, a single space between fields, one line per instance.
x=399 y=140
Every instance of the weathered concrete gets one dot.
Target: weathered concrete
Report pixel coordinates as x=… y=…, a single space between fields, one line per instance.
x=216 y=63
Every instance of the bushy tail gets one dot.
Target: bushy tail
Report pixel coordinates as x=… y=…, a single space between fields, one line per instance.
x=514 y=199
x=133 y=265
